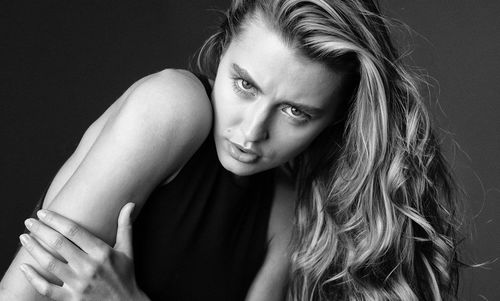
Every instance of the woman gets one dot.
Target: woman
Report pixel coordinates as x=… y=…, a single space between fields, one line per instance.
x=313 y=110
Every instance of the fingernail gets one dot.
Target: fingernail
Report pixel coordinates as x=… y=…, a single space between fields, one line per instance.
x=132 y=207
x=42 y=213
x=23 y=268
x=28 y=223
x=24 y=238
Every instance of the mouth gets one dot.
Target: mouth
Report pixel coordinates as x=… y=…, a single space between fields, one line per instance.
x=242 y=154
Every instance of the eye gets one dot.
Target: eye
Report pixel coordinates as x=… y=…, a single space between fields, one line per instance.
x=243 y=87
x=295 y=113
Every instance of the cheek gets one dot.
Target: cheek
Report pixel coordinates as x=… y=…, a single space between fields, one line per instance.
x=227 y=115
x=223 y=108
x=290 y=146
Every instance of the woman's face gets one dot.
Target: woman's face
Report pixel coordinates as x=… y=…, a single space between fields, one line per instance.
x=269 y=102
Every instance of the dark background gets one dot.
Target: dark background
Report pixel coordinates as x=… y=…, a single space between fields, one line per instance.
x=65 y=62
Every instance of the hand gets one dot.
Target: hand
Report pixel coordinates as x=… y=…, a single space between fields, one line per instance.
x=94 y=270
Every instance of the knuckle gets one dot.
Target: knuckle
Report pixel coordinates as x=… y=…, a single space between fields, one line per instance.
x=90 y=270
x=82 y=288
x=58 y=242
x=46 y=290
x=51 y=265
x=72 y=231
x=103 y=255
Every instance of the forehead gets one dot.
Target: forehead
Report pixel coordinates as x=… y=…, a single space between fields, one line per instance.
x=278 y=69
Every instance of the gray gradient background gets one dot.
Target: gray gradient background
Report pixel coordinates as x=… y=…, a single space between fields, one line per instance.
x=64 y=64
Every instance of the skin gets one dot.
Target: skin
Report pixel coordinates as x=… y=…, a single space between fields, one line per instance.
x=88 y=261
x=257 y=98
x=259 y=124
x=141 y=129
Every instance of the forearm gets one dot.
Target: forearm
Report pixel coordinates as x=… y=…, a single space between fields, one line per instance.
x=112 y=278
x=14 y=285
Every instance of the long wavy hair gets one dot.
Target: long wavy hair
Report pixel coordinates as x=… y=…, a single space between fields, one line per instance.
x=376 y=210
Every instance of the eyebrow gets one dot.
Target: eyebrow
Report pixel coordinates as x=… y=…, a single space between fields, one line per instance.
x=242 y=72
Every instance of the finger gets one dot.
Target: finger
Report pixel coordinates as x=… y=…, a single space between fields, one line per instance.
x=55 y=240
x=72 y=231
x=42 y=286
x=124 y=230
x=48 y=262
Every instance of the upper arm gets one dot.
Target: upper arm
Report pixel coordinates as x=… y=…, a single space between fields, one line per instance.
x=271 y=281
x=156 y=128
x=86 y=142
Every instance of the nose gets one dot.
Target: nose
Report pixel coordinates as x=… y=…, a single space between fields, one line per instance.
x=255 y=123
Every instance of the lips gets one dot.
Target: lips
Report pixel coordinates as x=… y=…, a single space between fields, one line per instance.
x=242 y=154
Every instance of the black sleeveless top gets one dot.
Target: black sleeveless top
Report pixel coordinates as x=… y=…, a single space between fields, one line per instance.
x=203 y=236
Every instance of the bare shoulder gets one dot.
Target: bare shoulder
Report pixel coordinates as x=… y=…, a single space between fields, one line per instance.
x=168 y=105
x=172 y=100
x=177 y=81
x=173 y=93
x=154 y=128
x=171 y=105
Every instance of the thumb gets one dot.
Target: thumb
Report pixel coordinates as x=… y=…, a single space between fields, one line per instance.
x=124 y=230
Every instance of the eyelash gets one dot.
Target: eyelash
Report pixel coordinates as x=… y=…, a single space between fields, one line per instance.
x=238 y=89
x=299 y=119
x=302 y=119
